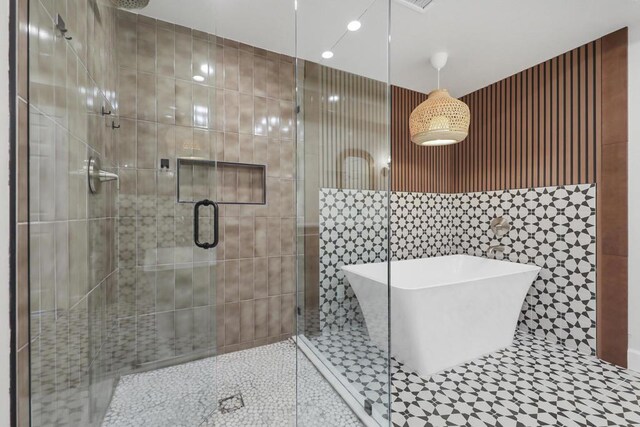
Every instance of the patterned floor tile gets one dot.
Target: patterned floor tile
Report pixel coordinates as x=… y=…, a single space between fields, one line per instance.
x=530 y=383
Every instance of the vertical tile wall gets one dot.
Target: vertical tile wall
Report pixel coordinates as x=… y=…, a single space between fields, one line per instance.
x=256 y=124
x=66 y=236
x=22 y=347
x=175 y=299
x=165 y=286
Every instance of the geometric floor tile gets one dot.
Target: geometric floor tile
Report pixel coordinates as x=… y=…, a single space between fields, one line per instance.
x=530 y=383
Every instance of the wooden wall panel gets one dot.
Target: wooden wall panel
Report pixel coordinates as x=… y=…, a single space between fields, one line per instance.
x=350 y=116
x=534 y=129
x=537 y=128
x=612 y=219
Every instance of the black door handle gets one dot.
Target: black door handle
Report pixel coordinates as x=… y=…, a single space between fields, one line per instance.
x=196 y=224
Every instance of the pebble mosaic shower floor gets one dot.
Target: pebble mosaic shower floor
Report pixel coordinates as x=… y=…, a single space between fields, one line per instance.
x=260 y=384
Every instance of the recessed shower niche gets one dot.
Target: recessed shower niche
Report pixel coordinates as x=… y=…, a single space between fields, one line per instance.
x=236 y=183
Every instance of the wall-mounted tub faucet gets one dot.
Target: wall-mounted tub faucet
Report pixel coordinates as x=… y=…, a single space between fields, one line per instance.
x=494 y=249
x=500 y=226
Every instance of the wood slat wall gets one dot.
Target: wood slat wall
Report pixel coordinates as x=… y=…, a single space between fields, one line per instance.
x=353 y=122
x=537 y=128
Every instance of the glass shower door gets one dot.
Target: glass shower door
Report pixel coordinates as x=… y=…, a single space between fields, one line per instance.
x=170 y=193
x=344 y=152
x=122 y=269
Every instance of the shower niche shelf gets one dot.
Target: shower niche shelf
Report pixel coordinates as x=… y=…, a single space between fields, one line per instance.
x=222 y=182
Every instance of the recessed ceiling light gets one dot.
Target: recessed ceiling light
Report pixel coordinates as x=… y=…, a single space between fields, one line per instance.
x=198 y=78
x=354 y=25
x=327 y=54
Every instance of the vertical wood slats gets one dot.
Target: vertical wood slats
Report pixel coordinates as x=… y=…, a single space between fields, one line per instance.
x=536 y=128
x=353 y=122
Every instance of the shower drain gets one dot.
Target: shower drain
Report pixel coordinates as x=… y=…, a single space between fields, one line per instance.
x=231 y=403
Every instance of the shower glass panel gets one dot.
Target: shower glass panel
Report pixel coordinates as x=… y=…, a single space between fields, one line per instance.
x=119 y=282
x=344 y=152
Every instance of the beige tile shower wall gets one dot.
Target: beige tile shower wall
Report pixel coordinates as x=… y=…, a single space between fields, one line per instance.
x=242 y=294
x=67 y=245
x=256 y=275
x=256 y=278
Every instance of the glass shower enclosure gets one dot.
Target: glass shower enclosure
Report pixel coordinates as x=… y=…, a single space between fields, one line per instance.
x=123 y=204
x=344 y=156
x=195 y=188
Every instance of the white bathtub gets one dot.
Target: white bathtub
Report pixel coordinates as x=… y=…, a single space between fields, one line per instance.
x=445 y=310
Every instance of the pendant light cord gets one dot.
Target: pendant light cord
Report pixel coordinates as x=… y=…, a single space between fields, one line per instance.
x=438 y=78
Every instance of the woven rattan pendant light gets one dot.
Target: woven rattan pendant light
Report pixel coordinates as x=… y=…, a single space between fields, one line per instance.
x=441 y=119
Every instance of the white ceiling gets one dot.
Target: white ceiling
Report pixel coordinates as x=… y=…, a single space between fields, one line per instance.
x=487 y=40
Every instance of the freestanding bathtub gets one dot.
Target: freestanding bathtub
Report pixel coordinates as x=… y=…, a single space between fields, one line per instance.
x=445 y=310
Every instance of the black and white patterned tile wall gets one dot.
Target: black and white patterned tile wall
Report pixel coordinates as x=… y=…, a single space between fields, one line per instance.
x=552 y=227
x=353 y=230
x=421 y=225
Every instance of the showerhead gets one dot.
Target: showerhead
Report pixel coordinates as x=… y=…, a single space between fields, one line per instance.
x=417 y=5
x=131 y=4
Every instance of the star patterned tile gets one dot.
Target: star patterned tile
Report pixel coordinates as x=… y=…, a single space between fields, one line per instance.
x=552 y=227
x=530 y=383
